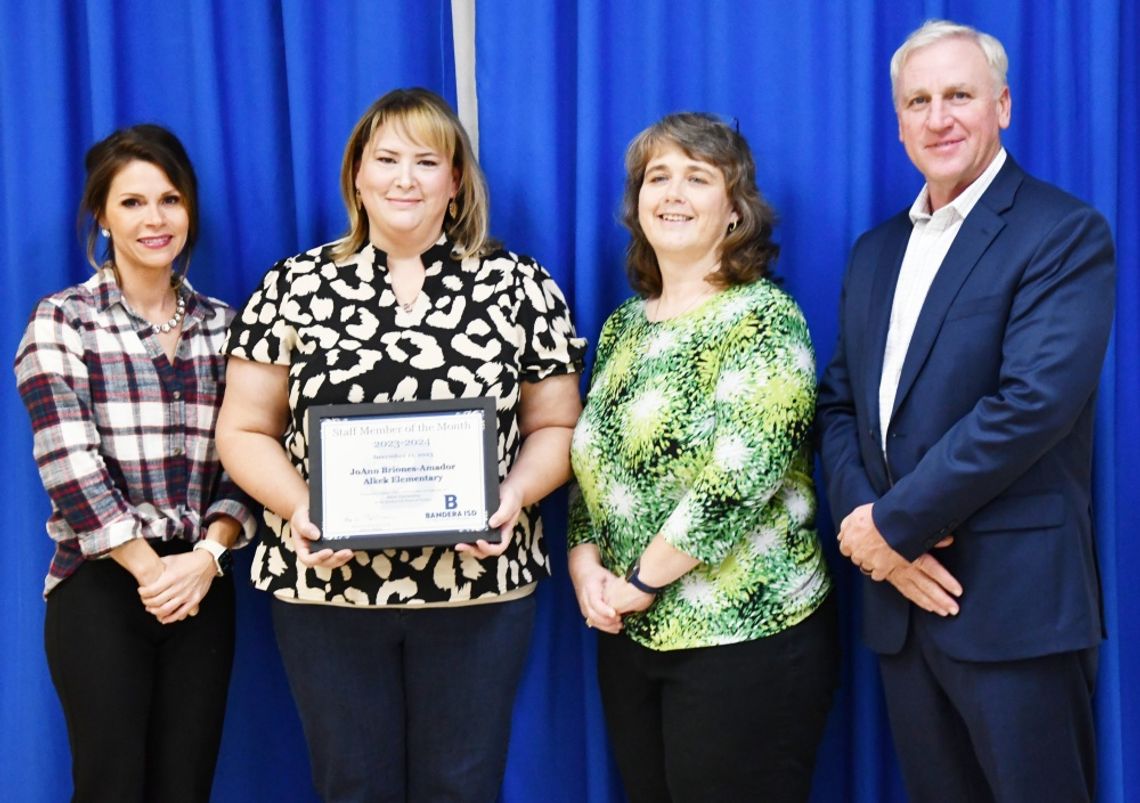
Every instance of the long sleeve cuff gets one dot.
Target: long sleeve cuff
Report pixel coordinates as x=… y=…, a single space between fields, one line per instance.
x=237 y=511
x=98 y=543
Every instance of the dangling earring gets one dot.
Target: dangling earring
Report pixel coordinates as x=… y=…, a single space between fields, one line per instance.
x=732 y=226
x=106 y=233
x=453 y=209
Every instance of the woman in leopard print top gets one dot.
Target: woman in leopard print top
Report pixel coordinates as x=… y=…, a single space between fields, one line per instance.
x=404 y=662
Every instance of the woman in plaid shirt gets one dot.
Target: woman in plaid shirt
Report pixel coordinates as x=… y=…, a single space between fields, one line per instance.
x=122 y=377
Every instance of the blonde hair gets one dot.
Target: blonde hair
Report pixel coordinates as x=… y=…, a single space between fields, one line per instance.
x=425 y=118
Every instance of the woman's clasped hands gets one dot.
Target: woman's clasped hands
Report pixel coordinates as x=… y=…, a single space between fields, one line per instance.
x=174 y=592
x=603 y=597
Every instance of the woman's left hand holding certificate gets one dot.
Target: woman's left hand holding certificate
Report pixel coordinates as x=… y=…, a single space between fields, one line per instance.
x=503 y=520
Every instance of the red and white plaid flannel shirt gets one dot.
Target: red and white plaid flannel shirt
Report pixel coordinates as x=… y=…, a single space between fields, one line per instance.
x=124 y=439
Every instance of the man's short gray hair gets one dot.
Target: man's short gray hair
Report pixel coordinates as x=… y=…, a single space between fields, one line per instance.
x=937 y=30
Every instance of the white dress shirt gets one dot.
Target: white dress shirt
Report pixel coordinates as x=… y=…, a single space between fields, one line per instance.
x=930 y=239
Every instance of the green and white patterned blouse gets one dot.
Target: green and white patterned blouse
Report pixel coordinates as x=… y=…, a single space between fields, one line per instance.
x=698 y=428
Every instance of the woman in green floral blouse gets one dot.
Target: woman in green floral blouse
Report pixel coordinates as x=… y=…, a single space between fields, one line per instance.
x=693 y=545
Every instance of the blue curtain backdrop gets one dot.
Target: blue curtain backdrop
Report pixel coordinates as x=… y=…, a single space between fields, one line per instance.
x=264 y=93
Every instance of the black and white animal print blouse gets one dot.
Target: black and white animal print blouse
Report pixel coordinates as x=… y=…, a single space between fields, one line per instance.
x=479 y=327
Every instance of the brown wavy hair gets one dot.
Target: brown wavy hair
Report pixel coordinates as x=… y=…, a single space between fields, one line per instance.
x=747 y=252
x=427 y=120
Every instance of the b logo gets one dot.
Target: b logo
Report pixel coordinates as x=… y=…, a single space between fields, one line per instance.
x=450 y=502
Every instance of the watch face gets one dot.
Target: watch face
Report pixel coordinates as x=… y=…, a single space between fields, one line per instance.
x=632 y=577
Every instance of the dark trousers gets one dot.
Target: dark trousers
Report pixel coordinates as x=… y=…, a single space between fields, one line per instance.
x=738 y=722
x=1010 y=731
x=144 y=702
x=405 y=704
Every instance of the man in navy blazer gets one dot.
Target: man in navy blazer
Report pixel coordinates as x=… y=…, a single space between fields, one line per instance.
x=956 y=427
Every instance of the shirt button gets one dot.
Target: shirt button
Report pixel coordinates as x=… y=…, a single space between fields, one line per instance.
x=177 y=451
x=177 y=394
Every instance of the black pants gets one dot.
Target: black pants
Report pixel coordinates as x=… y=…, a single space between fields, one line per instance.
x=739 y=722
x=144 y=702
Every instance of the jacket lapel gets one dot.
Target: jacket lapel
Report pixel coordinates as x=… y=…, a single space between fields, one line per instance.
x=978 y=230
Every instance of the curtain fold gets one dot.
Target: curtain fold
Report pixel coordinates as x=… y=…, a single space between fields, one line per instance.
x=264 y=93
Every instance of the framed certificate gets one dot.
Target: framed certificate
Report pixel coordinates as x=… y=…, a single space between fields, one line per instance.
x=403 y=474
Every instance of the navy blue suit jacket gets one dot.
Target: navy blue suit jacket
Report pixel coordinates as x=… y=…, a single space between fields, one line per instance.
x=992 y=431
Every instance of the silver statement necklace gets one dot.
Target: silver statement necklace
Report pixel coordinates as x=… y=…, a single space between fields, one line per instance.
x=176 y=318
